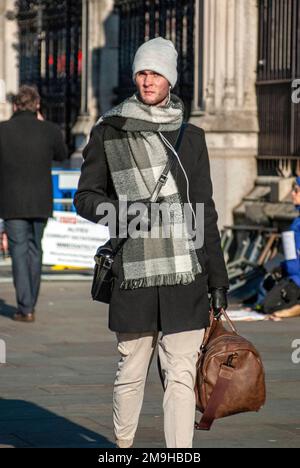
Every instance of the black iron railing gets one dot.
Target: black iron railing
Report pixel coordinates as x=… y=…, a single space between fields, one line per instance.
x=278 y=67
x=50 y=56
x=141 y=20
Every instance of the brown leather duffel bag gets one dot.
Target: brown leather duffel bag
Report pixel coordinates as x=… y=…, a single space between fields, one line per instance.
x=230 y=375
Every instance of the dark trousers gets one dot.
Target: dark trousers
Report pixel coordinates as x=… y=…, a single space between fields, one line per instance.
x=25 y=246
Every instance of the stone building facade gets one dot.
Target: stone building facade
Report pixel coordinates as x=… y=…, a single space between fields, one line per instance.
x=225 y=62
x=229 y=114
x=8 y=56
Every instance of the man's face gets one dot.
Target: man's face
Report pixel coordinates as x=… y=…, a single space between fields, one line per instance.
x=153 y=88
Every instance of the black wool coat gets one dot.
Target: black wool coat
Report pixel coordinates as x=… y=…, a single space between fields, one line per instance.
x=27 y=148
x=170 y=309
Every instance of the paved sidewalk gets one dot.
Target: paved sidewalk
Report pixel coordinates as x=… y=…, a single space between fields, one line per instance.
x=56 y=388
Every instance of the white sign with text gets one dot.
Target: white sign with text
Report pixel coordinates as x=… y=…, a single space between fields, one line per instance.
x=70 y=240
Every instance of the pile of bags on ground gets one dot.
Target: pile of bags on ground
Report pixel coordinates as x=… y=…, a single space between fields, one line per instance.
x=264 y=265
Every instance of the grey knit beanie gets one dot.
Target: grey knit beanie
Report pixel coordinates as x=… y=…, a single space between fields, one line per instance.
x=158 y=55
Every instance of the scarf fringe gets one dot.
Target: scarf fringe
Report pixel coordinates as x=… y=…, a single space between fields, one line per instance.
x=170 y=279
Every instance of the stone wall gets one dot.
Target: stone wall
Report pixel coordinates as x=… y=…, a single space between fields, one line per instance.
x=8 y=57
x=229 y=116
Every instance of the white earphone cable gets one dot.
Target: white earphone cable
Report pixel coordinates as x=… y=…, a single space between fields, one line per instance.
x=170 y=146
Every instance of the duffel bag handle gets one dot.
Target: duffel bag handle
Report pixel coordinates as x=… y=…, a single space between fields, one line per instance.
x=230 y=323
x=213 y=323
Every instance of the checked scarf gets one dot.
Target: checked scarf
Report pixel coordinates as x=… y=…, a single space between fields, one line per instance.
x=136 y=161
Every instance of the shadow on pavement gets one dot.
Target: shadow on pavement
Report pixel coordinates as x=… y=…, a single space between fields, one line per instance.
x=25 y=424
x=7 y=310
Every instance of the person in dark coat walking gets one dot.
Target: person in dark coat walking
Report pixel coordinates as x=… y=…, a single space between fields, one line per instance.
x=27 y=147
x=160 y=285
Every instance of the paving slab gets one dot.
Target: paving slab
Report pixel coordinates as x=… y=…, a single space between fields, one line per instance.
x=56 y=388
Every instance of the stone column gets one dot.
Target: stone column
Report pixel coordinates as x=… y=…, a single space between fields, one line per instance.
x=8 y=56
x=230 y=66
x=229 y=116
x=95 y=89
x=2 y=59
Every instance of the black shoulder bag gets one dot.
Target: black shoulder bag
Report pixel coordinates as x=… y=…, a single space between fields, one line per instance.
x=103 y=279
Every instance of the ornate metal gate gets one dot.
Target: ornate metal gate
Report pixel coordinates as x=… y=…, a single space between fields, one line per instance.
x=51 y=57
x=278 y=67
x=141 y=20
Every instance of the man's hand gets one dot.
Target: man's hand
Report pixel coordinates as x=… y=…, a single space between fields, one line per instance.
x=218 y=301
x=3 y=243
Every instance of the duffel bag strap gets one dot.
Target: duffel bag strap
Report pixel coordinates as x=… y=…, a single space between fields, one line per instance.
x=216 y=398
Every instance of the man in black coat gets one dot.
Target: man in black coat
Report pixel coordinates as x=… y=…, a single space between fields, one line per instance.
x=159 y=284
x=27 y=147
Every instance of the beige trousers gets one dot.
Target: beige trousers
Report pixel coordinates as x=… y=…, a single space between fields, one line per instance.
x=178 y=355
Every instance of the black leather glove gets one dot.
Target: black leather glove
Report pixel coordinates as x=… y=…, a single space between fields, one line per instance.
x=218 y=300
